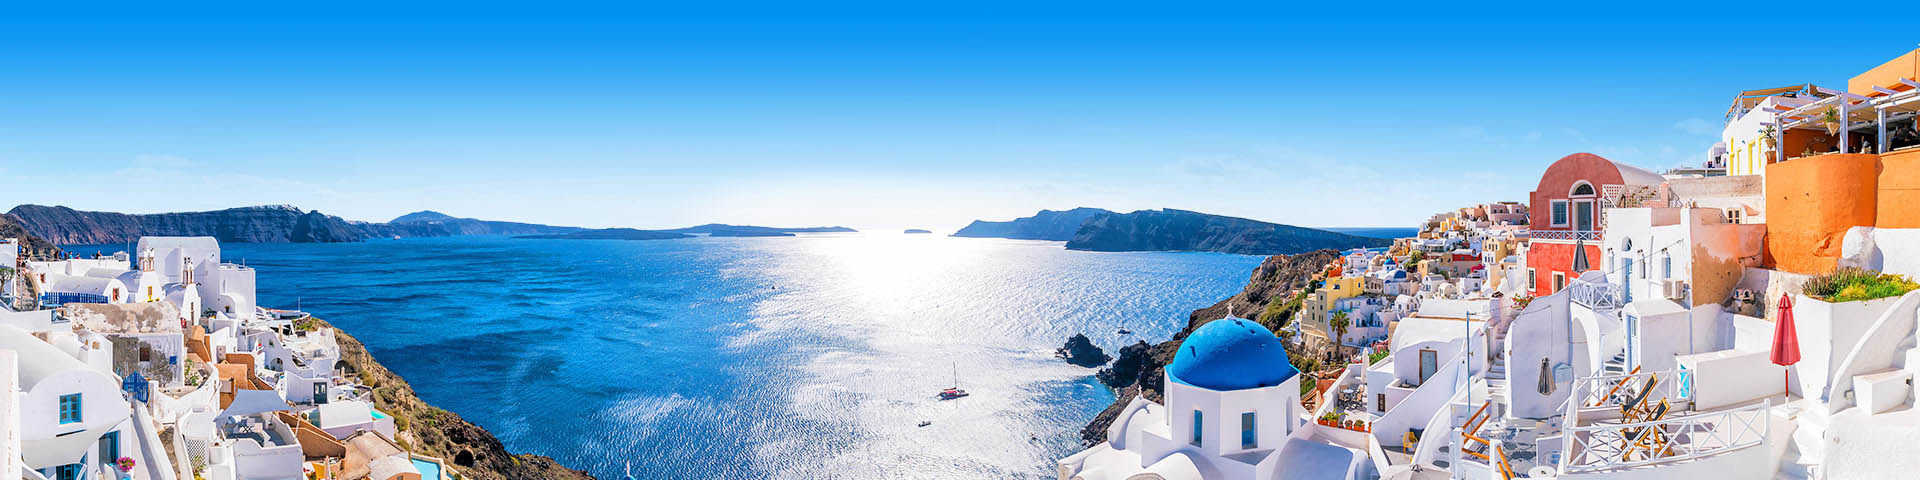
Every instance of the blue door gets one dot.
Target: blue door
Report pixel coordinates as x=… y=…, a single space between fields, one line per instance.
x=1633 y=341
x=1626 y=274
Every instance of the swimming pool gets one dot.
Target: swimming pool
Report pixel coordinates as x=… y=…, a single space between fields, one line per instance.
x=428 y=470
x=377 y=414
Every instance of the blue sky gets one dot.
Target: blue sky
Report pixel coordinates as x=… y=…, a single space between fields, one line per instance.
x=876 y=116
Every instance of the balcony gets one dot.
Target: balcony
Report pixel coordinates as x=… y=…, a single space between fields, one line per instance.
x=1588 y=235
x=1600 y=297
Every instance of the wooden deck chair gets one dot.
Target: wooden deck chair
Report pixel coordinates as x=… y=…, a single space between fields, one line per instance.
x=1640 y=397
x=1652 y=439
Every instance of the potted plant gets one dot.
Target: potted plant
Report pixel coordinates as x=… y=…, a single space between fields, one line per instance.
x=1766 y=135
x=1830 y=118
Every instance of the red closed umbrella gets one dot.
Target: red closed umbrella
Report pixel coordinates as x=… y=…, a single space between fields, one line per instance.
x=1786 y=343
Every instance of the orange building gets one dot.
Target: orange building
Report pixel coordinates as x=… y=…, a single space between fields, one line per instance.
x=1812 y=200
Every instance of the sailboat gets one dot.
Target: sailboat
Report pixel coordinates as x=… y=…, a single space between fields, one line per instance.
x=955 y=391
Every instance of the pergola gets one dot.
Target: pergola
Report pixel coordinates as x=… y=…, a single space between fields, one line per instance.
x=1852 y=110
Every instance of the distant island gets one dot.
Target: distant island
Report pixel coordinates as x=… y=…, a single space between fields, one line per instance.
x=1046 y=225
x=612 y=234
x=918 y=230
x=710 y=230
x=261 y=224
x=1181 y=230
x=289 y=224
x=1167 y=230
x=724 y=230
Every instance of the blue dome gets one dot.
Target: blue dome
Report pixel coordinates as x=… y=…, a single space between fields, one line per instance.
x=1231 y=354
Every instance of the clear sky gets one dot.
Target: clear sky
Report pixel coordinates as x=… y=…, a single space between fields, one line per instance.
x=875 y=116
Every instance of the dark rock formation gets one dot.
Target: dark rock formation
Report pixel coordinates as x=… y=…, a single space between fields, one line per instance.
x=440 y=433
x=1181 y=230
x=11 y=227
x=1138 y=370
x=264 y=224
x=918 y=230
x=612 y=234
x=1126 y=370
x=1046 y=225
x=1081 y=351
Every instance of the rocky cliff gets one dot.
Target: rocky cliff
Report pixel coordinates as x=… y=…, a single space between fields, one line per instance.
x=427 y=430
x=1181 y=230
x=1137 y=372
x=1046 y=225
x=264 y=224
x=10 y=227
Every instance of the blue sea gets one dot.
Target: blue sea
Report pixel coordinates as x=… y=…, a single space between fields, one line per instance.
x=797 y=357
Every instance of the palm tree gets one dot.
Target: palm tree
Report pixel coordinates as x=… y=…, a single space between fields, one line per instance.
x=1339 y=324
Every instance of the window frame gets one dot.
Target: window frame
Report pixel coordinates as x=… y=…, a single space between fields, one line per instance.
x=1249 y=431
x=1199 y=428
x=1574 y=191
x=72 y=415
x=110 y=447
x=1559 y=282
x=1559 y=212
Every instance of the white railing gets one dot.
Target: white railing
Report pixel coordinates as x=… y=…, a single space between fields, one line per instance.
x=1588 y=235
x=1612 y=391
x=1598 y=296
x=1614 y=446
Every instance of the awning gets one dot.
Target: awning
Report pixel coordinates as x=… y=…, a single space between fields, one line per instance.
x=254 y=402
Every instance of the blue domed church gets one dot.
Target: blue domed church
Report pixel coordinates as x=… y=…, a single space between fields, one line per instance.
x=1232 y=411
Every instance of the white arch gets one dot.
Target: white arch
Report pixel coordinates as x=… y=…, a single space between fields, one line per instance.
x=1581 y=183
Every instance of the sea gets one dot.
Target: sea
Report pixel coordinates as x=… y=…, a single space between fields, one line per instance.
x=815 y=356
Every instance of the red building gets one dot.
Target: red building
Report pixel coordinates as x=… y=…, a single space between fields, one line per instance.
x=1568 y=207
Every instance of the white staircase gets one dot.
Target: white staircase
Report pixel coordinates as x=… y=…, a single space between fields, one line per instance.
x=1806 y=449
x=1617 y=365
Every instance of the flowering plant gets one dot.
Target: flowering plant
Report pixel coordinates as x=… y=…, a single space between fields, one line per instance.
x=126 y=464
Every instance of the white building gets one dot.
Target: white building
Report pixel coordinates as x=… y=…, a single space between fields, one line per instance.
x=1232 y=411
x=70 y=413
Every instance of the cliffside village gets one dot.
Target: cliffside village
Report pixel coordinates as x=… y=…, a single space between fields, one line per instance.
x=160 y=365
x=1750 y=317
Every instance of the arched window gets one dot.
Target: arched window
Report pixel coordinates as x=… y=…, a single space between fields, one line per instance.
x=1581 y=189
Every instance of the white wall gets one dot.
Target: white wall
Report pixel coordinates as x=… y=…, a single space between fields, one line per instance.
x=1666 y=335
x=1275 y=410
x=9 y=410
x=1827 y=332
x=1730 y=377
x=1544 y=330
x=1891 y=250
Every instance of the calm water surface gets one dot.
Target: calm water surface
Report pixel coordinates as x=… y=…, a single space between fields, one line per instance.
x=801 y=357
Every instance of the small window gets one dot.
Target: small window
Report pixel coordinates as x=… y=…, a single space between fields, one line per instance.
x=1559 y=281
x=1249 y=436
x=1583 y=188
x=1380 y=402
x=1532 y=280
x=1559 y=213
x=1666 y=266
x=1197 y=427
x=69 y=409
x=69 y=471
